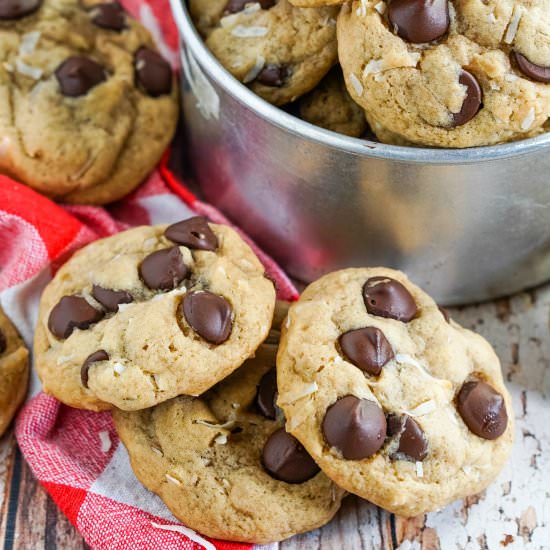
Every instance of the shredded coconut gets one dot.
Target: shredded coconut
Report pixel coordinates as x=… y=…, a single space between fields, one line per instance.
x=172 y=479
x=252 y=74
x=423 y=409
x=119 y=368
x=157 y=451
x=28 y=42
x=373 y=66
x=510 y=77
x=253 y=7
x=189 y=533
x=26 y=70
x=419 y=469
x=306 y=390
x=528 y=120
x=105 y=441
x=380 y=8
x=357 y=86
x=241 y=31
x=225 y=426
x=221 y=439
x=514 y=24
x=467 y=469
x=64 y=359
x=491 y=18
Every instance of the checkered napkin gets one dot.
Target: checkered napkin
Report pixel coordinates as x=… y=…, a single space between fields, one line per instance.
x=75 y=454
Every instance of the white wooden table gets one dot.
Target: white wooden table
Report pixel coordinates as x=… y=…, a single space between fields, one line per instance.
x=513 y=513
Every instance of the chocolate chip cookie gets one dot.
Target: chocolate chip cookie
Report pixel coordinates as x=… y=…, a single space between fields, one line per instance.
x=330 y=106
x=395 y=401
x=224 y=464
x=150 y=314
x=280 y=51
x=444 y=73
x=14 y=370
x=87 y=105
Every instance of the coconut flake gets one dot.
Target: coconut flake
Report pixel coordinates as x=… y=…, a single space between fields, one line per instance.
x=528 y=120
x=514 y=25
x=373 y=66
x=105 y=441
x=189 y=533
x=380 y=8
x=467 y=469
x=26 y=70
x=172 y=479
x=252 y=8
x=28 y=42
x=157 y=451
x=510 y=77
x=423 y=409
x=241 y=31
x=255 y=71
x=64 y=359
x=119 y=368
x=221 y=439
x=306 y=390
x=357 y=86
x=491 y=18
x=225 y=426
x=419 y=469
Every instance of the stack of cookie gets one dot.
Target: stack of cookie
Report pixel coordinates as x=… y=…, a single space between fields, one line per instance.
x=251 y=423
x=87 y=104
x=441 y=73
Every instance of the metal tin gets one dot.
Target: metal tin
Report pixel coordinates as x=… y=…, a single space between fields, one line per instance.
x=466 y=225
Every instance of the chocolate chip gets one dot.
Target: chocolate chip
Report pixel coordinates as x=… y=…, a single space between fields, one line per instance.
x=367 y=348
x=267 y=394
x=482 y=409
x=163 y=269
x=472 y=103
x=15 y=9
x=412 y=441
x=72 y=312
x=419 y=21
x=445 y=314
x=388 y=298
x=100 y=355
x=109 y=16
x=356 y=427
x=235 y=6
x=273 y=75
x=3 y=342
x=77 y=75
x=194 y=233
x=153 y=73
x=208 y=314
x=285 y=459
x=533 y=71
x=111 y=299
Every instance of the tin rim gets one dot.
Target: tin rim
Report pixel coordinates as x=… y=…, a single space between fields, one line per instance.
x=350 y=145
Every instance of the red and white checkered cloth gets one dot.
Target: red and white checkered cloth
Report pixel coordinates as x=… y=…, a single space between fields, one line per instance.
x=76 y=455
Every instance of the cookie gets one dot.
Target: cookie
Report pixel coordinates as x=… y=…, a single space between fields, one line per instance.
x=330 y=106
x=87 y=105
x=396 y=402
x=460 y=73
x=150 y=314
x=224 y=464
x=14 y=371
x=280 y=51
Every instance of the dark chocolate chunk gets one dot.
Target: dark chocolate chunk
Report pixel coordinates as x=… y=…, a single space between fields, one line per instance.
x=482 y=409
x=15 y=9
x=163 y=269
x=194 y=233
x=72 y=312
x=531 y=70
x=472 y=102
x=419 y=21
x=77 y=75
x=356 y=427
x=285 y=459
x=109 y=16
x=235 y=6
x=111 y=299
x=153 y=72
x=388 y=298
x=367 y=348
x=267 y=394
x=412 y=441
x=273 y=75
x=208 y=314
x=100 y=355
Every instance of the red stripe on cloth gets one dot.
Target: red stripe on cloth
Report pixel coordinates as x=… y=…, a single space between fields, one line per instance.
x=69 y=499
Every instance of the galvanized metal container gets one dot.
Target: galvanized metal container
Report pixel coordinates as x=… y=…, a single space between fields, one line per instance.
x=466 y=225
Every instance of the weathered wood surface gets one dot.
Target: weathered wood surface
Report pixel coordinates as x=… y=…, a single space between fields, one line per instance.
x=513 y=513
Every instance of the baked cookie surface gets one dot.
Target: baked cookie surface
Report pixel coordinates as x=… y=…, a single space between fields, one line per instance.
x=14 y=371
x=207 y=458
x=280 y=51
x=330 y=106
x=87 y=105
x=459 y=73
x=394 y=402
x=151 y=313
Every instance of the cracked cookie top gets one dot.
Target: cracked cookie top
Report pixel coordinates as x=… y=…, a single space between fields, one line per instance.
x=223 y=462
x=449 y=73
x=151 y=313
x=87 y=105
x=394 y=400
x=280 y=51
